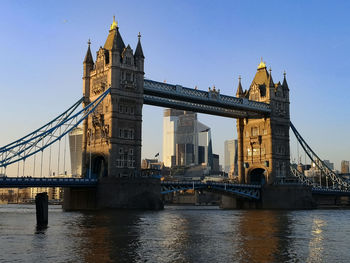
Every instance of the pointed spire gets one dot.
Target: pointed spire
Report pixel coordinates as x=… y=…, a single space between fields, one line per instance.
x=88 y=57
x=239 y=92
x=138 y=51
x=270 y=78
x=284 y=84
x=262 y=64
x=114 y=25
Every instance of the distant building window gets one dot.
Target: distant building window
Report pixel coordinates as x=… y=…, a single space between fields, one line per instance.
x=131 y=151
x=120 y=133
x=131 y=110
x=120 y=108
x=120 y=150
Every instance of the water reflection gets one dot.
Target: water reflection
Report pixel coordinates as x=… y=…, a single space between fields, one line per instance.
x=110 y=236
x=316 y=241
x=177 y=234
x=263 y=237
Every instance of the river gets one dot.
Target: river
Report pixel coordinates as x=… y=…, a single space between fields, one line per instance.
x=176 y=234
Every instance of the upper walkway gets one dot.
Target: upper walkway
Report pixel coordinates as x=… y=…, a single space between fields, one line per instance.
x=209 y=102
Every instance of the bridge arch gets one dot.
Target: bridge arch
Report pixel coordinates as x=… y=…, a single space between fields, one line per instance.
x=257 y=175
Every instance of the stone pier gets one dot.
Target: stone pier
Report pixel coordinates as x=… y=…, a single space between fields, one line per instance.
x=116 y=193
x=274 y=197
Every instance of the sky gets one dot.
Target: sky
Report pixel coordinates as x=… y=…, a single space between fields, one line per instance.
x=190 y=43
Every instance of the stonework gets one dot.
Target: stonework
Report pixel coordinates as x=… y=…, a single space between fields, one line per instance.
x=112 y=134
x=263 y=144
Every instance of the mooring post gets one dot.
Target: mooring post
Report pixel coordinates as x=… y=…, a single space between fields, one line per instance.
x=42 y=207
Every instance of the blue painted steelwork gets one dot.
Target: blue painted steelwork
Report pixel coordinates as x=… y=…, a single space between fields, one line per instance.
x=20 y=182
x=244 y=190
x=45 y=136
x=337 y=181
x=210 y=102
x=329 y=191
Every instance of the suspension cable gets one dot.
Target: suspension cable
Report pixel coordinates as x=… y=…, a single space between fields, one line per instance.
x=34 y=165
x=64 y=154
x=24 y=164
x=50 y=162
x=336 y=180
x=59 y=153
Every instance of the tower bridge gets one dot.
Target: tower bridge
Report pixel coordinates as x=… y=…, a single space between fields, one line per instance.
x=114 y=92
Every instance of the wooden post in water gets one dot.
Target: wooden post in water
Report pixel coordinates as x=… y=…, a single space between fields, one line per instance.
x=42 y=207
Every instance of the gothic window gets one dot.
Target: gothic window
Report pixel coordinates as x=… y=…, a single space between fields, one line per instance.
x=128 y=77
x=132 y=110
x=126 y=109
x=255 y=131
x=256 y=151
x=249 y=151
x=120 y=150
x=131 y=151
x=120 y=108
x=128 y=60
x=125 y=133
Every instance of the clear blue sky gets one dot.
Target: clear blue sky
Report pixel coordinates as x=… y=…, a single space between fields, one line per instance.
x=201 y=43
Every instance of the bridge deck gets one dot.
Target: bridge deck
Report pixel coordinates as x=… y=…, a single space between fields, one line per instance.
x=21 y=182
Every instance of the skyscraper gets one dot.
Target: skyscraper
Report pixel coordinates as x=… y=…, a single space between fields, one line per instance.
x=344 y=167
x=231 y=158
x=76 y=146
x=186 y=141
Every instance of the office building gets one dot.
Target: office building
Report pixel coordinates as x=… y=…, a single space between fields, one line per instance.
x=231 y=158
x=75 y=146
x=186 y=141
x=344 y=167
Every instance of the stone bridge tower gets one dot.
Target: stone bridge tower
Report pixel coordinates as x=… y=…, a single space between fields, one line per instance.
x=112 y=134
x=263 y=144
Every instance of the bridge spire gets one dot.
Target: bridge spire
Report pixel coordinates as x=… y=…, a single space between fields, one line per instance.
x=284 y=84
x=239 y=92
x=88 y=57
x=138 y=51
x=114 y=24
x=271 y=84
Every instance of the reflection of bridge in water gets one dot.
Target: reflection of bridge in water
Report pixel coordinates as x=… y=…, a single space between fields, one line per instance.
x=114 y=92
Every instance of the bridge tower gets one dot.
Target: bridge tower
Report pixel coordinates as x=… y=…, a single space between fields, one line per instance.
x=263 y=144
x=112 y=134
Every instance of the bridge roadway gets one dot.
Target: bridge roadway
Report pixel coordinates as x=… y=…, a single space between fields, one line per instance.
x=243 y=190
x=248 y=191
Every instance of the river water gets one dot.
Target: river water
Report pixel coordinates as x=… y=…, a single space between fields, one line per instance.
x=176 y=234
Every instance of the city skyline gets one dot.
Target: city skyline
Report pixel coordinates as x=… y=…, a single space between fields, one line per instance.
x=200 y=49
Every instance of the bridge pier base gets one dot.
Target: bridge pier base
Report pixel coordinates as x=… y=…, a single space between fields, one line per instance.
x=274 y=197
x=129 y=193
x=119 y=193
x=234 y=202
